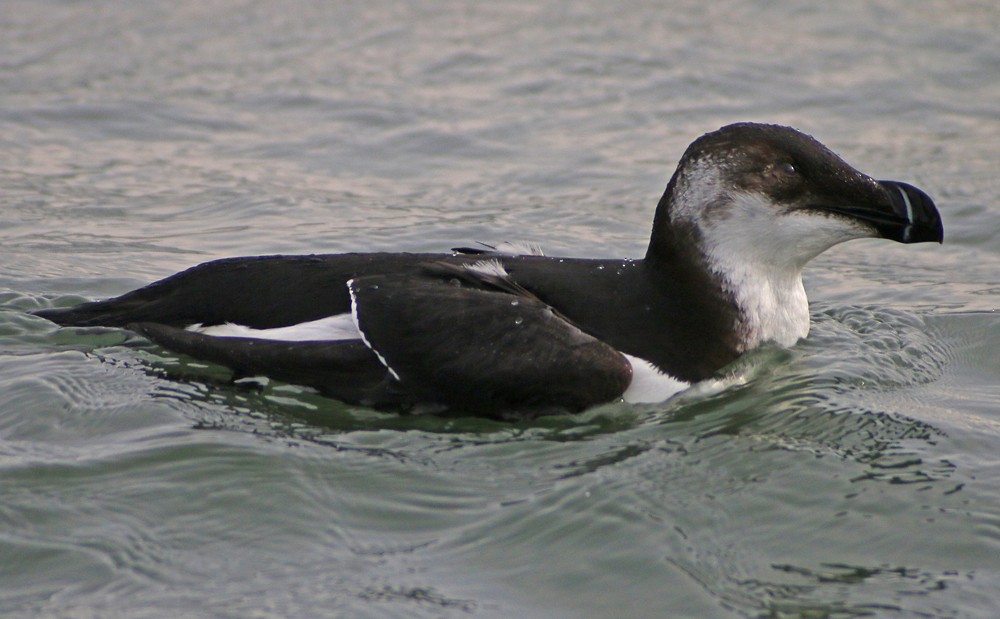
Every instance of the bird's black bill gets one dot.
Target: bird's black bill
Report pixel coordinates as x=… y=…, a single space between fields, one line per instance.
x=919 y=220
x=900 y=213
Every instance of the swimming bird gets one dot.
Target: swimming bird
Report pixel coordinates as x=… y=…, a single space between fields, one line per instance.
x=495 y=333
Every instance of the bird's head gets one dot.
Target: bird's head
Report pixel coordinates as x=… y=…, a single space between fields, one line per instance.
x=776 y=197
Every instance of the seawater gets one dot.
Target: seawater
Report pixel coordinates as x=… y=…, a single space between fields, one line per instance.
x=853 y=475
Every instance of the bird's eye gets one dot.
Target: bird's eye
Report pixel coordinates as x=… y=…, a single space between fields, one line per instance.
x=780 y=171
x=785 y=168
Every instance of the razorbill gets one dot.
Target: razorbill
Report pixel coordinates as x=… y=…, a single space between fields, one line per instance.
x=492 y=333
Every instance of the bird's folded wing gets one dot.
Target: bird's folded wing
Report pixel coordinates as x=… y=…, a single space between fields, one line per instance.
x=471 y=339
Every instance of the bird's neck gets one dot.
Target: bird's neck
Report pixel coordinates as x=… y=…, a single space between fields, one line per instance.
x=769 y=299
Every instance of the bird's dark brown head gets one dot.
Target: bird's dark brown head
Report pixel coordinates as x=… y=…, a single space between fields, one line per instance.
x=789 y=175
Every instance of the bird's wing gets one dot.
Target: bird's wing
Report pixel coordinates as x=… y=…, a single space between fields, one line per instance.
x=469 y=337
